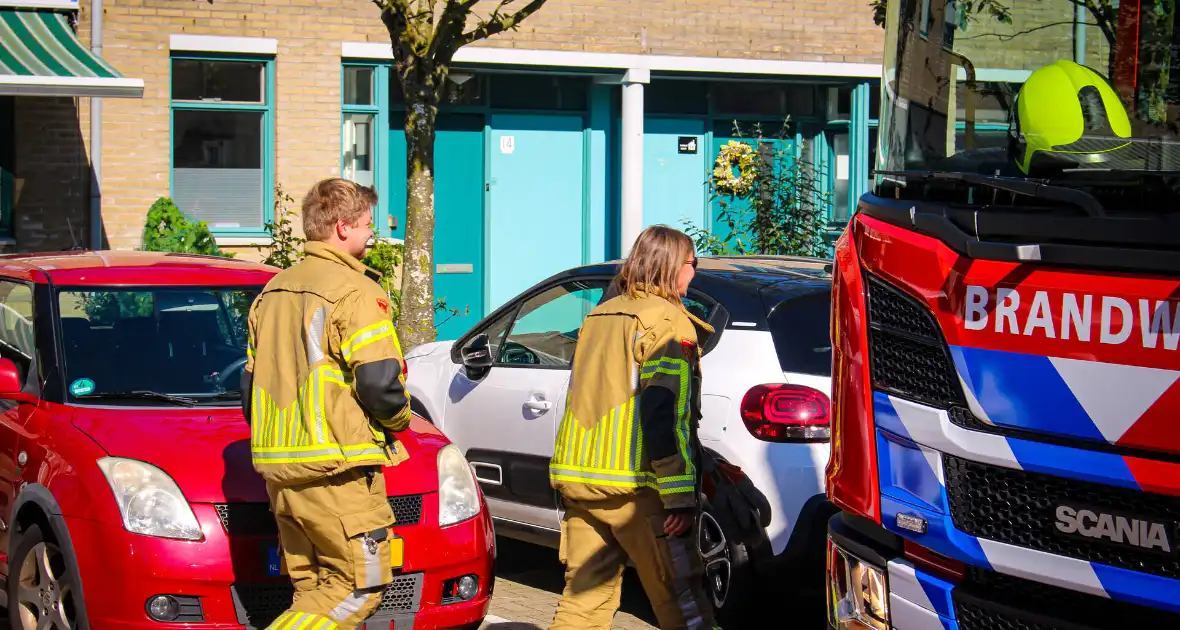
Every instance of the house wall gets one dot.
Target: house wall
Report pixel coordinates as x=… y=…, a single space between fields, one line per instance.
x=307 y=66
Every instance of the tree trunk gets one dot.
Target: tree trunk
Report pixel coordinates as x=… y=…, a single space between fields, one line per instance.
x=416 y=320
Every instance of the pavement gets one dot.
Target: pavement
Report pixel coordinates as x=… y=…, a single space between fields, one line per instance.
x=529 y=580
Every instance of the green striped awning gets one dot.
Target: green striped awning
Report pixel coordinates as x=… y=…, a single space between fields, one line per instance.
x=41 y=56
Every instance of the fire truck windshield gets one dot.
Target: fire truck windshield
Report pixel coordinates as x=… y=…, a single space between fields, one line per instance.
x=1046 y=89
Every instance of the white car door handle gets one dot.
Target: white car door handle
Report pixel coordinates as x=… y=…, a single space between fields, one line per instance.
x=538 y=405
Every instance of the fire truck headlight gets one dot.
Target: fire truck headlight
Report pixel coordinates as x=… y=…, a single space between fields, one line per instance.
x=857 y=592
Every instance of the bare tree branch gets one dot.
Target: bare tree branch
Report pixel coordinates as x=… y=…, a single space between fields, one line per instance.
x=396 y=16
x=425 y=16
x=1103 y=11
x=401 y=7
x=499 y=23
x=1010 y=36
x=448 y=30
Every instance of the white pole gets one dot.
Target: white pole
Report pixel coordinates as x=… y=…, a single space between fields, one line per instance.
x=631 y=221
x=1079 y=34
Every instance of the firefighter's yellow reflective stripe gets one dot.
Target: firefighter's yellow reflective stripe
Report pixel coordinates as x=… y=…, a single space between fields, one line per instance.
x=309 y=412
x=320 y=375
x=601 y=477
x=603 y=445
x=298 y=433
x=599 y=442
x=365 y=336
x=635 y=437
x=318 y=453
x=332 y=375
x=363 y=452
x=295 y=454
x=675 y=484
x=302 y=621
x=608 y=454
x=680 y=369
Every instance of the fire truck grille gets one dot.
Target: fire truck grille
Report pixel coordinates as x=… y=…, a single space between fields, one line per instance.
x=255 y=519
x=994 y=601
x=891 y=308
x=908 y=356
x=1021 y=508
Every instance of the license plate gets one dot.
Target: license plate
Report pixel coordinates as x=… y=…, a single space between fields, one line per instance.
x=274 y=562
x=275 y=566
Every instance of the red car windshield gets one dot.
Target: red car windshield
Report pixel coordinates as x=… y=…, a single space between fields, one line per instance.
x=182 y=341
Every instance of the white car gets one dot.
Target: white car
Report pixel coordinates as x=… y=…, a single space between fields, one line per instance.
x=766 y=381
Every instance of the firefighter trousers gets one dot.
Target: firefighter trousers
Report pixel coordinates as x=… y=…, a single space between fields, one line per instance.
x=596 y=540
x=335 y=539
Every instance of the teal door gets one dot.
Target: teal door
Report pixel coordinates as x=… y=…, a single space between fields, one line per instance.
x=536 y=200
x=674 y=186
x=722 y=134
x=458 y=215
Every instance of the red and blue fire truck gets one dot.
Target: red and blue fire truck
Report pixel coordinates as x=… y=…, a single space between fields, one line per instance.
x=1006 y=326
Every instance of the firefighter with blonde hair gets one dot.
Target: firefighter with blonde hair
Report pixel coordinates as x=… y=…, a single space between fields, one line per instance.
x=626 y=459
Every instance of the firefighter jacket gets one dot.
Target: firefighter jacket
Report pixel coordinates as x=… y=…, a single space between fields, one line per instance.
x=631 y=415
x=323 y=384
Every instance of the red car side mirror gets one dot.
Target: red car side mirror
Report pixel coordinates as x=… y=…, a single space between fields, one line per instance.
x=10 y=382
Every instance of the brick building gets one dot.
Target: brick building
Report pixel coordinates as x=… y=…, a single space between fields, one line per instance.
x=534 y=170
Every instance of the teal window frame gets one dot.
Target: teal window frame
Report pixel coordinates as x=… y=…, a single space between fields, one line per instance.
x=857 y=127
x=267 y=108
x=379 y=109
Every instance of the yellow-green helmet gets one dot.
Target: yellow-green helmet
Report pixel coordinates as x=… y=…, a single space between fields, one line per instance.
x=1068 y=115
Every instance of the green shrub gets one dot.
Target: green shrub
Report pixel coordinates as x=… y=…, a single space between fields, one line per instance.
x=386 y=258
x=286 y=249
x=167 y=229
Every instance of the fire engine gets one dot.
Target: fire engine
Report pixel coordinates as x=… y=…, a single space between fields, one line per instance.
x=1006 y=325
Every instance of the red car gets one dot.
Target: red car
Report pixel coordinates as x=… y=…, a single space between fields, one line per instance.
x=126 y=490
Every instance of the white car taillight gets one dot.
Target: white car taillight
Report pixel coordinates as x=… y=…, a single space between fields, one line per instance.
x=787 y=413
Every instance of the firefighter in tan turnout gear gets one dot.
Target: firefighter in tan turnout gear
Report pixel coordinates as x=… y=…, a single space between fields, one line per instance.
x=625 y=460
x=325 y=398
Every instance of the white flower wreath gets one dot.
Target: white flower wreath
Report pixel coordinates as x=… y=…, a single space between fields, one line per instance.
x=742 y=156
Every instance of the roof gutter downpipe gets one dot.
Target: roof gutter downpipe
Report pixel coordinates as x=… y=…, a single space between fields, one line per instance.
x=96 y=134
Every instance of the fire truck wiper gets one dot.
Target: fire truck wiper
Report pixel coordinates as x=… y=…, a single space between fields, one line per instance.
x=1032 y=188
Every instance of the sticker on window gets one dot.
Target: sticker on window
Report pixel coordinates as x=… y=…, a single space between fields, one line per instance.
x=81 y=387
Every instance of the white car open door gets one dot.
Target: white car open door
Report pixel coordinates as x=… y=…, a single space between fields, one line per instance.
x=505 y=419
